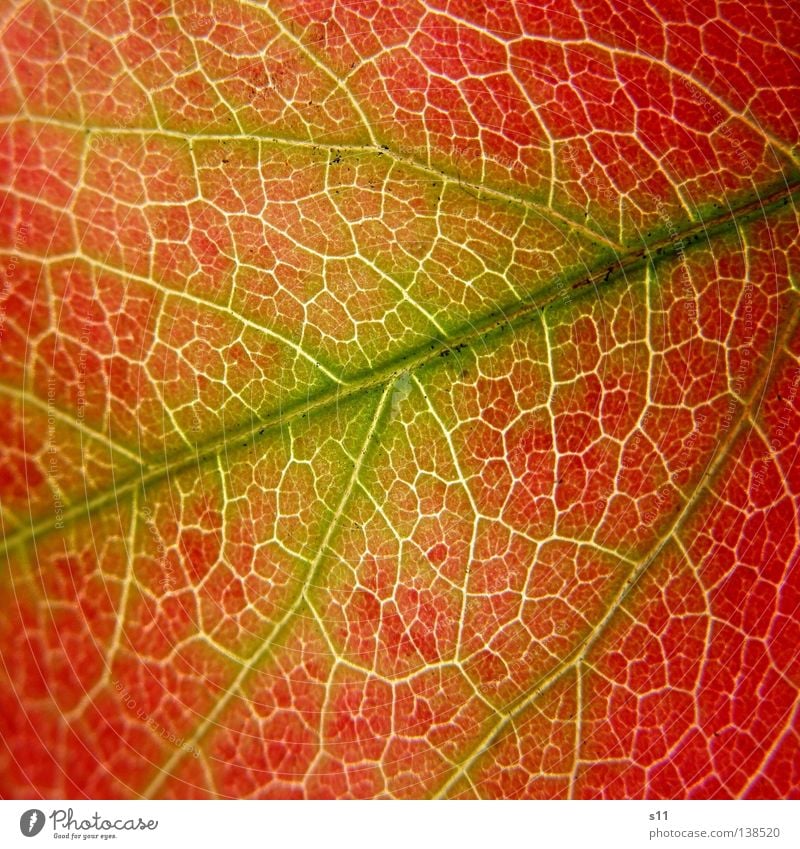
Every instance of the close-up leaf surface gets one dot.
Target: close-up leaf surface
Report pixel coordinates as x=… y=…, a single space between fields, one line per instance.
x=399 y=399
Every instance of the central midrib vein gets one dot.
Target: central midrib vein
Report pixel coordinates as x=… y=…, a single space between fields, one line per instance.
x=561 y=290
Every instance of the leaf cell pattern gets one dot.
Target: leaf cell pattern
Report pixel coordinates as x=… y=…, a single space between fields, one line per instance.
x=399 y=399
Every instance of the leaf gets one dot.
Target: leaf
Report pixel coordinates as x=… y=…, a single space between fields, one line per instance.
x=399 y=400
